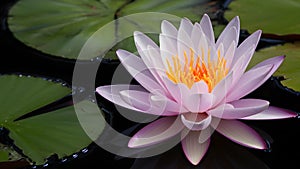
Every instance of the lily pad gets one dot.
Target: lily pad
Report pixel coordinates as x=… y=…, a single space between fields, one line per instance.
x=289 y=68
x=272 y=16
x=7 y=153
x=61 y=27
x=56 y=132
x=4 y=155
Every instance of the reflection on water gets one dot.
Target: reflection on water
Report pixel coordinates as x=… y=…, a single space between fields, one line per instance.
x=222 y=154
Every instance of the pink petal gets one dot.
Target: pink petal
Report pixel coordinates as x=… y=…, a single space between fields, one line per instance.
x=230 y=33
x=207 y=28
x=220 y=90
x=272 y=113
x=199 y=102
x=241 y=134
x=136 y=67
x=168 y=48
x=155 y=58
x=199 y=87
x=173 y=89
x=196 y=35
x=252 y=40
x=275 y=61
x=151 y=104
x=156 y=132
x=229 y=54
x=186 y=25
x=142 y=43
x=184 y=41
x=196 y=121
x=112 y=93
x=239 y=109
x=248 y=82
x=193 y=150
x=168 y=29
x=194 y=102
x=203 y=47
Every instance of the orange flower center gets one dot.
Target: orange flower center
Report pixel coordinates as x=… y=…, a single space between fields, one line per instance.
x=191 y=70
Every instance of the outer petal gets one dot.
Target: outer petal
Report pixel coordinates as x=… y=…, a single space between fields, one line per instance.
x=230 y=33
x=241 y=134
x=111 y=93
x=272 y=113
x=156 y=132
x=151 y=104
x=186 y=25
x=143 y=43
x=207 y=28
x=168 y=29
x=168 y=48
x=184 y=41
x=253 y=78
x=193 y=150
x=248 y=82
x=136 y=67
x=239 y=109
x=252 y=40
x=196 y=35
x=241 y=64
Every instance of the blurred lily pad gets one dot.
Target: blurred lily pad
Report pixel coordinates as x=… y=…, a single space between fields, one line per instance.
x=57 y=132
x=272 y=16
x=4 y=155
x=289 y=69
x=61 y=27
x=9 y=154
x=40 y=136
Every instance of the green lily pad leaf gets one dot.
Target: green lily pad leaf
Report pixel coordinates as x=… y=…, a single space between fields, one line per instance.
x=61 y=27
x=21 y=95
x=8 y=154
x=56 y=132
x=272 y=16
x=290 y=66
x=4 y=155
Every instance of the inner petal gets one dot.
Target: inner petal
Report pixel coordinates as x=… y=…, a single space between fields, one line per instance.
x=194 y=68
x=196 y=121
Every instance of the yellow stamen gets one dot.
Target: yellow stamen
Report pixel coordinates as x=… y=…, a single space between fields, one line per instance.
x=191 y=71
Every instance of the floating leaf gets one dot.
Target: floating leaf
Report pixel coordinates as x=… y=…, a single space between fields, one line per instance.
x=4 y=155
x=290 y=67
x=272 y=16
x=8 y=154
x=21 y=95
x=56 y=132
x=61 y=27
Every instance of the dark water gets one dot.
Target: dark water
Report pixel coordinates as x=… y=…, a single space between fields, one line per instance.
x=282 y=135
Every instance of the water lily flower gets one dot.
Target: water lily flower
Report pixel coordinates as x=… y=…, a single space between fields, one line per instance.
x=196 y=86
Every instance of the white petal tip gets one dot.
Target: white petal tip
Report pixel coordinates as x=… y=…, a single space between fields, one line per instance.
x=100 y=90
x=194 y=162
x=136 y=33
x=135 y=142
